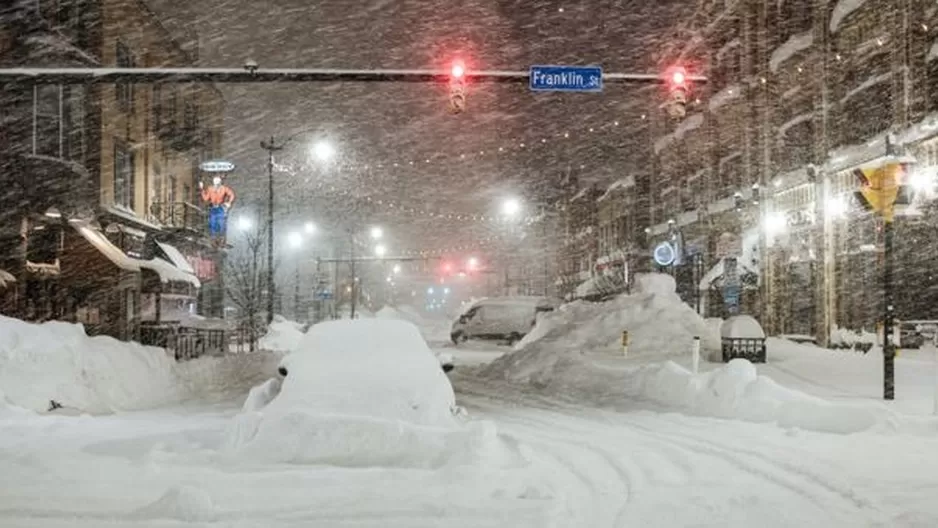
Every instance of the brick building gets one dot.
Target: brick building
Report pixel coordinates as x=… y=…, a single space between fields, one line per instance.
x=100 y=222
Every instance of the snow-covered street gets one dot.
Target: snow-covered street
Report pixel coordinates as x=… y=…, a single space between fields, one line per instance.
x=570 y=466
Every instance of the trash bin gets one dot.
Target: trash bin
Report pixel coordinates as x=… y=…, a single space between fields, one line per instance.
x=741 y=336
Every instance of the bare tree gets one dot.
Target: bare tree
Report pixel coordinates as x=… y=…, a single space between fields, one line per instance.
x=245 y=282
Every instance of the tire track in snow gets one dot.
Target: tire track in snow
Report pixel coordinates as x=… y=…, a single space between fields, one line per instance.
x=626 y=430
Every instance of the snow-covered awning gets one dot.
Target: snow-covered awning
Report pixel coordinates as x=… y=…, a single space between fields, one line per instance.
x=6 y=278
x=176 y=257
x=166 y=271
x=715 y=275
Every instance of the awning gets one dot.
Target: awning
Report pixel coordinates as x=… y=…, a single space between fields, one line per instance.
x=716 y=273
x=166 y=271
x=176 y=257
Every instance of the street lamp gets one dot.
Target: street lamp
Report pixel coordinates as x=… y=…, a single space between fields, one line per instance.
x=511 y=207
x=377 y=233
x=245 y=223
x=295 y=239
x=310 y=228
x=380 y=250
x=323 y=150
x=397 y=269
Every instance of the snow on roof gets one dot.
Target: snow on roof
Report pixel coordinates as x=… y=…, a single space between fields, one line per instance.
x=872 y=81
x=166 y=271
x=793 y=45
x=724 y=96
x=842 y=10
x=932 y=52
x=624 y=183
x=176 y=257
x=795 y=121
x=6 y=278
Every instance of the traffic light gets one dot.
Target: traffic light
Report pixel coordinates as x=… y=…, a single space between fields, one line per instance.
x=457 y=87
x=678 y=92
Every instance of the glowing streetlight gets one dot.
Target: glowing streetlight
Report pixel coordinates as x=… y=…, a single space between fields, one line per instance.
x=323 y=150
x=511 y=207
x=310 y=228
x=295 y=240
x=380 y=250
x=377 y=233
x=397 y=269
x=472 y=263
x=244 y=223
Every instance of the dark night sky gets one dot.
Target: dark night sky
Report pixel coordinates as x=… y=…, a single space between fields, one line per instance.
x=372 y=123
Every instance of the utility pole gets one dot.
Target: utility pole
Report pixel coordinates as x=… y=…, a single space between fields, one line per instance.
x=271 y=147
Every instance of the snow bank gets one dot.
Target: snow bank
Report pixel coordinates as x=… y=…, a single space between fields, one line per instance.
x=658 y=322
x=182 y=503
x=737 y=391
x=359 y=393
x=282 y=335
x=58 y=361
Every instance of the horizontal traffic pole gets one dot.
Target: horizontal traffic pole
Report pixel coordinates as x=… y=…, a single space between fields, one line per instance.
x=374 y=259
x=263 y=75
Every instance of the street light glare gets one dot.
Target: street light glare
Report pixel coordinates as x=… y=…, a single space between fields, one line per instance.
x=511 y=207
x=324 y=150
x=296 y=240
x=380 y=250
x=244 y=223
x=377 y=233
x=397 y=268
x=310 y=228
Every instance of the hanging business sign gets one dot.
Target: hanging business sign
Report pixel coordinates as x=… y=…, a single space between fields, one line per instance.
x=217 y=166
x=664 y=254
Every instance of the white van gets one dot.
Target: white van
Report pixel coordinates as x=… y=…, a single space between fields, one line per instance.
x=508 y=318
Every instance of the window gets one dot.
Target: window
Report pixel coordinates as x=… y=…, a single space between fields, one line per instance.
x=74 y=128
x=125 y=91
x=44 y=244
x=123 y=176
x=47 y=137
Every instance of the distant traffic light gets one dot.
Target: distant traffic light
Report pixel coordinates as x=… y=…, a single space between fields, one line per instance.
x=678 y=91
x=457 y=87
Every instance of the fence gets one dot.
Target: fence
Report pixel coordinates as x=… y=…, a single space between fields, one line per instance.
x=184 y=342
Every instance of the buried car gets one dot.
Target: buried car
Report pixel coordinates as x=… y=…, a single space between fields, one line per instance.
x=507 y=318
x=361 y=392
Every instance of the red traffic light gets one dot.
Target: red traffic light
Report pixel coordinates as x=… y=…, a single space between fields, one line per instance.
x=447 y=267
x=458 y=70
x=678 y=77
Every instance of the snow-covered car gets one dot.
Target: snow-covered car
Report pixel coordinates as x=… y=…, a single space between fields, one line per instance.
x=508 y=318
x=353 y=391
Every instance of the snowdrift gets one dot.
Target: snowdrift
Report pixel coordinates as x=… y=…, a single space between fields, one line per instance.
x=58 y=361
x=658 y=322
x=282 y=335
x=359 y=393
x=737 y=391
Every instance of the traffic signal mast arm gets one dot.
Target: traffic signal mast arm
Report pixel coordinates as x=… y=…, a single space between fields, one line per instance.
x=259 y=75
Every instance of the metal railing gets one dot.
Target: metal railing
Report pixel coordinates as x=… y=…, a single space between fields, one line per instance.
x=180 y=215
x=185 y=343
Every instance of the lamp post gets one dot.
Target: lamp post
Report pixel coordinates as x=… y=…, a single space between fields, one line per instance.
x=324 y=151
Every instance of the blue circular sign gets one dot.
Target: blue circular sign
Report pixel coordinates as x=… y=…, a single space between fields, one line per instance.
x=664 y=254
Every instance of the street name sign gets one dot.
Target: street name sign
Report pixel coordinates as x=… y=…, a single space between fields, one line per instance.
x=566 y=78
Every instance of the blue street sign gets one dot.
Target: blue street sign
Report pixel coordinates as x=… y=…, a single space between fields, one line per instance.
x=566 y=78
x=217 y=166
x=324 y=295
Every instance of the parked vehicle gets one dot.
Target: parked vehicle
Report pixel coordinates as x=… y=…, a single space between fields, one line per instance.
x=508 y=318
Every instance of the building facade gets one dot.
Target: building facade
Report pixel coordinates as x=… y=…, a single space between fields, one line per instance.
x=801 y=93
x=101 y=222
